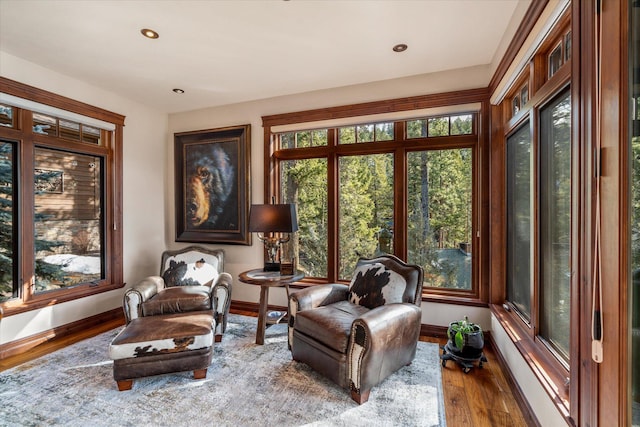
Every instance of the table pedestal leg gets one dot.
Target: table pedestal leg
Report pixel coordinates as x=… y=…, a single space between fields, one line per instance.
x=262 y=314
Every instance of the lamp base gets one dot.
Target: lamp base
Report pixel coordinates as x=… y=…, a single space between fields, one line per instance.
x=271 y=266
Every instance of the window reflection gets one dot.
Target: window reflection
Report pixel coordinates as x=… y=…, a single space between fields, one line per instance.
x=555 y=223
x=68 y=219
x=7 y=232
x=519 y=220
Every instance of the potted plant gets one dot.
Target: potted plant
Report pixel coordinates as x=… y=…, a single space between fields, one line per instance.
x=466 y=337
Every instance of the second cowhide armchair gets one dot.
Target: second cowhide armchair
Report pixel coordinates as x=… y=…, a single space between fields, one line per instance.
x=357 y=335
x=191 y=279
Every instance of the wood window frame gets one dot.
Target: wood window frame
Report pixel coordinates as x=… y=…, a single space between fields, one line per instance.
x=110 y=149
x=553 y=374
x=479 y=294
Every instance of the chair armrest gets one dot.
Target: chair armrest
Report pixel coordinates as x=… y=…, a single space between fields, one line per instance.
x=403 y=318
x=317 y=296
x=139 y=293
x=221 y=299
x=382 y=341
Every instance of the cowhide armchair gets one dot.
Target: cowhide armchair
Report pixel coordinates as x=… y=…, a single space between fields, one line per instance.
x=359 y=334
x=191 y=279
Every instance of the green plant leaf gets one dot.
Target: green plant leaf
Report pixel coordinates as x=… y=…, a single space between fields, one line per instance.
x=459 y=340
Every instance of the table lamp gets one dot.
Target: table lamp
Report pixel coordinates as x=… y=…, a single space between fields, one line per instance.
x=270 y=222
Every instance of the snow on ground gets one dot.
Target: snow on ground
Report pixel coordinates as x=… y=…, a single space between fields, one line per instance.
x=75 y=263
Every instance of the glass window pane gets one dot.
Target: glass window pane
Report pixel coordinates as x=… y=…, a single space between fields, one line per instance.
x=319 y=138
x=366 y=209
x=515 y=105
x=462 y=125
x=45 y=125
x=6 y=115
x=303 y=139
x=555 y=223
x=68 y=219
x=304 y=183
x=69 y=130
x=384 y=131
x=347 y=135
x=519 y=221
x=439 y=126
x=90 y=135
x=287 y=140
x=524 y=95
x=417 y=128
x=365 y=133
x=8 y=278
x=555 y=60
x=567 y=46
x=439 y=216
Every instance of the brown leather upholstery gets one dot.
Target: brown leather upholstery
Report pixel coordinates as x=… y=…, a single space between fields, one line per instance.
x=178 y=299
x=352 y=345
x=191 y=279
x=163 y=344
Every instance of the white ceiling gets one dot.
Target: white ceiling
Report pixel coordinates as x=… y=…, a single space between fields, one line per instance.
x=223 y=52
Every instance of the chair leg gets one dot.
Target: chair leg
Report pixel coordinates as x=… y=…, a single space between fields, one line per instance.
x=124 y=385
x=199 y=374
x=360 y=397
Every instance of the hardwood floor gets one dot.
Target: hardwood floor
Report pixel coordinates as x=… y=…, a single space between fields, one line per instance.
x=481 y=398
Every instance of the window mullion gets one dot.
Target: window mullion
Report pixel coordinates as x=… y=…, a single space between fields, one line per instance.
x=26 y=209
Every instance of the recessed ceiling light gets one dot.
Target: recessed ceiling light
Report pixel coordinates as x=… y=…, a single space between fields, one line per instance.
x=400 y=47
x=149 y=33
x=177 y=90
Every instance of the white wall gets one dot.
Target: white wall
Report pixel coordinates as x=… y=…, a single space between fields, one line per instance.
x=145 y=136
x=241 y=258
x=538 y=399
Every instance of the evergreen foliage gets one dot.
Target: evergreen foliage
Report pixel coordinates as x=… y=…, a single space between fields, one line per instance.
x=439 y=205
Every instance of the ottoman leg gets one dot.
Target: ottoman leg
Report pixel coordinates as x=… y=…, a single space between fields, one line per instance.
x=125 y=385
x=199 y=374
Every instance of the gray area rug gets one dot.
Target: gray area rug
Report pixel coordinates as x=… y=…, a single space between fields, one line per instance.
x=246 y=385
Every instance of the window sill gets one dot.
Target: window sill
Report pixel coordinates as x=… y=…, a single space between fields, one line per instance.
x=458 y=298
x=13 y=307
x=449 y=298
x=552 y=375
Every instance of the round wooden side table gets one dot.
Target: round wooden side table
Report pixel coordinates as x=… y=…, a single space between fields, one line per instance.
x=266 y=280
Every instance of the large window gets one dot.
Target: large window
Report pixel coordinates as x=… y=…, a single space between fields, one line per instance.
x=534 y=301
x=60 y=215
x=305 y=186
x=519 y=220
x=439 y=226
x=538 y=225
x=553 y=230
x=555 y=224
x=403 y=187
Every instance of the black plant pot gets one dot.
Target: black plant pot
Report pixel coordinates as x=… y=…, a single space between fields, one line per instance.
x=472 y=343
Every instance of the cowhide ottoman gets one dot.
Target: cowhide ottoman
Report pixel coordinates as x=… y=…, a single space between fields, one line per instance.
x=163 y=344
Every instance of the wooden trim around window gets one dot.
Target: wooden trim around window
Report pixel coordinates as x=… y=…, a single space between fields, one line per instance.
x=112 y=150
x=479 y=140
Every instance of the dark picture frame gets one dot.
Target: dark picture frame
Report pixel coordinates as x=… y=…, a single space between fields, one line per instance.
x=212 y=175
